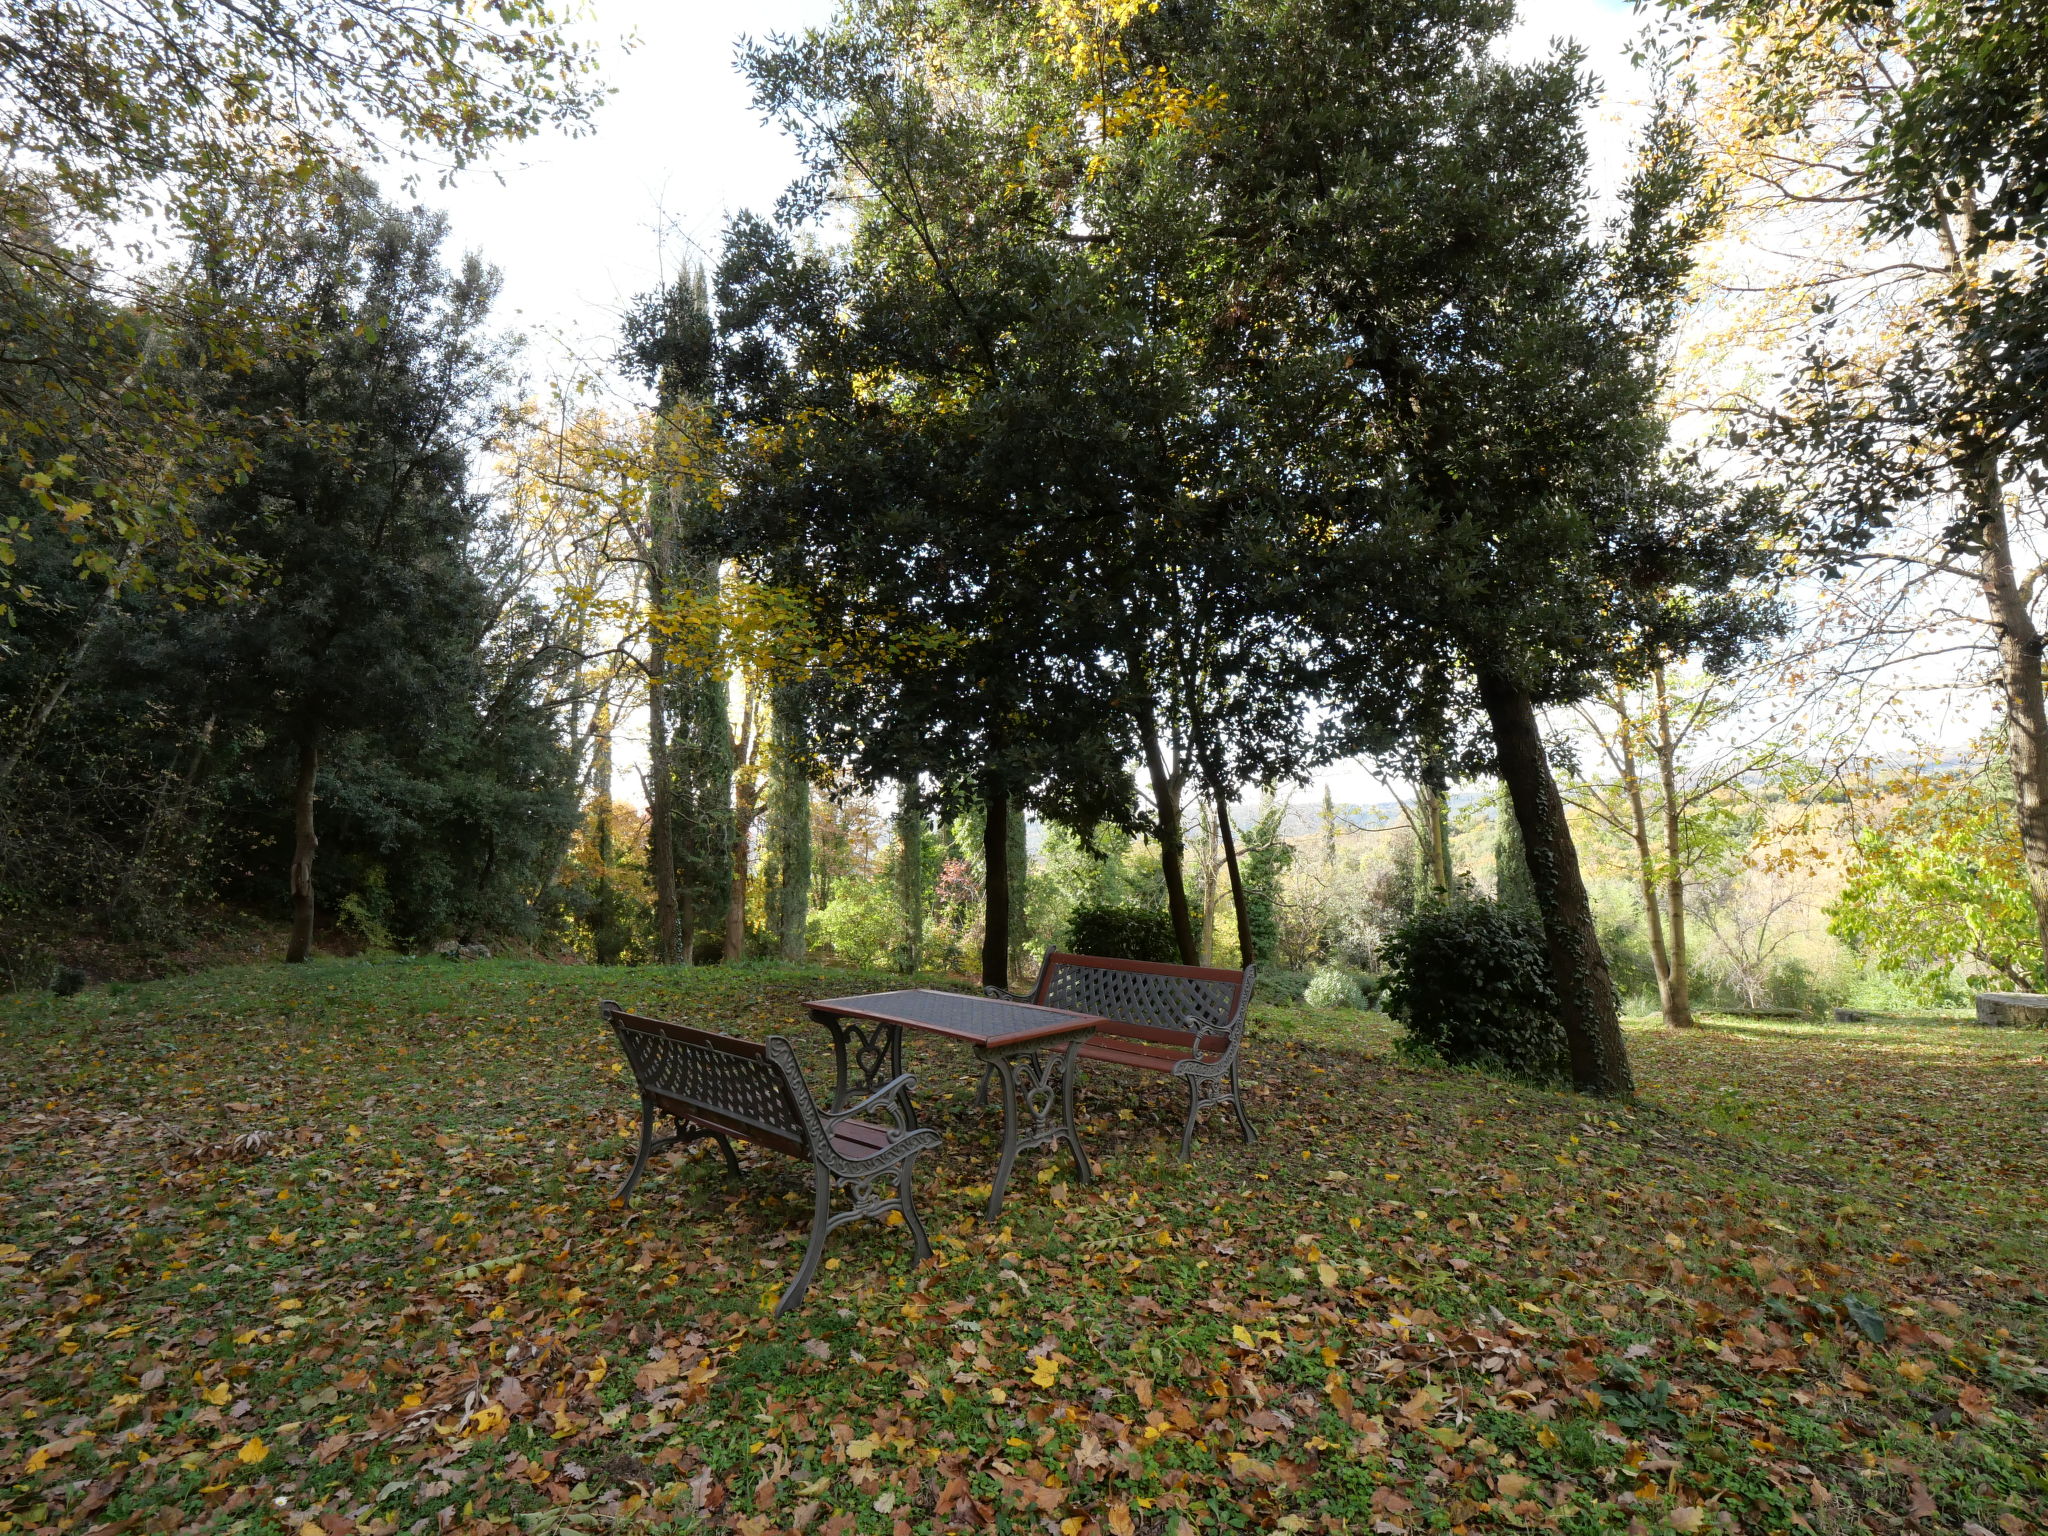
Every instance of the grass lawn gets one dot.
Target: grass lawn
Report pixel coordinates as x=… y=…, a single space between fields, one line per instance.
x=331 y=1249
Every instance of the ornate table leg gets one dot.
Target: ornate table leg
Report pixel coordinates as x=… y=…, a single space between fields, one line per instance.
x=1040 y=1080
x=865 y=1054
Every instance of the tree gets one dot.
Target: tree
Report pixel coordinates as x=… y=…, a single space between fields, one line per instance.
x=1937 y=881
x=1495 y=368
x=203 y=120
x=1910 y=423
x=361 y=519
x=1673 y=795
x=786 y=864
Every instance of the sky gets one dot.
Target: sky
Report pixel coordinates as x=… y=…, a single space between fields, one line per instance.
x=579 y=226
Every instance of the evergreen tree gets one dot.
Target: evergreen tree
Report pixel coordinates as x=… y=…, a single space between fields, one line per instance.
x=786 y=865
x=360 y=518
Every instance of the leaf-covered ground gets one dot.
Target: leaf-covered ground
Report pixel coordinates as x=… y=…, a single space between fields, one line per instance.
x=331 y=1249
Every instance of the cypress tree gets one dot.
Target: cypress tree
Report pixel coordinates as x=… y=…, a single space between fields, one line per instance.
x=1512 y=886
x=786 y=865
x=909 y=873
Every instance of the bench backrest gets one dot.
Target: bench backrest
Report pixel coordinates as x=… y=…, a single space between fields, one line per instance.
x=1198 y=1007
x=715 y=1080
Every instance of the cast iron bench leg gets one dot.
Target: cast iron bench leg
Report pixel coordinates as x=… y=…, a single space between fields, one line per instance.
x=650 y=1144
x=821 y=1228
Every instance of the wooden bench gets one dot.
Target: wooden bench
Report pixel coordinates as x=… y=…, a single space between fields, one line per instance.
x=1186 y=1020
x=720 y=1086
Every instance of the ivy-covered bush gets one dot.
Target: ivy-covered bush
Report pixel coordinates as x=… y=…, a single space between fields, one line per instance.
x=1122 y=933
x=1469 y=985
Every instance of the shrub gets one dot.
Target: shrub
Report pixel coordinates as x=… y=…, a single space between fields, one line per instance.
x=1332 y=988
x=1122 y=933
x=861 y=925
x=1280 y=987
x=1470 y=986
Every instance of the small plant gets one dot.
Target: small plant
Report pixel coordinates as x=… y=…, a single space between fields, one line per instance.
x=1122 y=933
x=1333 y=988
x=1469 y=983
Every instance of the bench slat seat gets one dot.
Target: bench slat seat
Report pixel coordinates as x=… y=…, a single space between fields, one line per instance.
x=722 y=1086
x=1183 y=1020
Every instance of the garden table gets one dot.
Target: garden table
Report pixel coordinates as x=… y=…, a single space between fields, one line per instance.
x=1030 y=1049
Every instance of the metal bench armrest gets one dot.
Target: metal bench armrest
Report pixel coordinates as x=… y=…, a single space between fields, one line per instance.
x=885 y=1098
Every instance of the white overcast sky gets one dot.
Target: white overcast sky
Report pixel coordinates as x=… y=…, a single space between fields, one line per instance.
x=580 y=226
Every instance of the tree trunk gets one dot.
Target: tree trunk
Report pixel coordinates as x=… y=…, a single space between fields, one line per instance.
x=1209 y=870
x=1646 y=882
x=1678 y=994
x=661 y=822
x=1166 y=788
x=910 y=875
x=303 y=843
x=1578 y=970
x=1019 y=869
x=789 y=834
x=995 y=881
x=2026 y=715
x=1237 y=895
x=744 y=811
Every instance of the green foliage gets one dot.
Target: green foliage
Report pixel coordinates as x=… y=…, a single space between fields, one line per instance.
x=1127 y=933
x=1330 y=987
x=1937 y=889
x=862 y=924
x=1263 y=859
x=1470 y=984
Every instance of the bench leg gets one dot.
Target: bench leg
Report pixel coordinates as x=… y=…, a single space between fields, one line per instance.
x=732 y=1162
x=1187 y=1130
x=1070 y=1083
x=981 y=1088
x=821 y=1227
x=1244 y=1126
x=920 y=1245
x=646 y=1149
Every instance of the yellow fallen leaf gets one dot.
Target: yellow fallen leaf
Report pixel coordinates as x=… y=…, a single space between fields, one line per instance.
x=1045 y=1372
x=599 y=1371
x=217 y=1395
x=254 y=1451
x=1119 y=1520
x=1071 y=1526
x=1327 y=1273
x=863 y=1448
x=1512 y=1485
x=1243 y=1335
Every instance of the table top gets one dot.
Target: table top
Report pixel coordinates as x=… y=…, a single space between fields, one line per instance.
x=960 y=1016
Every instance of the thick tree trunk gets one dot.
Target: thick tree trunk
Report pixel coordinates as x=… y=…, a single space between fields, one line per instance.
x=1578 y=970
x=303 y=843
x=2026 y=714
x=1166 y=788
x=1678 y=994
x=661 y=821
x=789 y=835
x=995 y=871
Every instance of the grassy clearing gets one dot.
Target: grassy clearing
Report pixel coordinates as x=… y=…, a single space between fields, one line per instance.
x=330 y=1249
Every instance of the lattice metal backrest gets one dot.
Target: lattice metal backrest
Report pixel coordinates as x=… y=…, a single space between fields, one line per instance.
x=1204 y=1003
x=734 y=1079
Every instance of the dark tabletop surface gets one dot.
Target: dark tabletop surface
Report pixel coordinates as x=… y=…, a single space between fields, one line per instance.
x=960 y=1016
